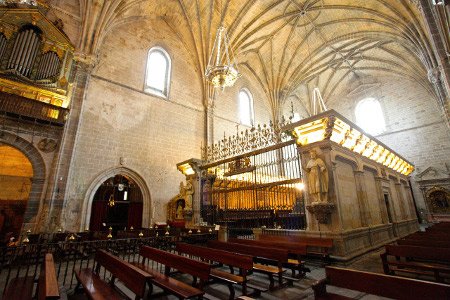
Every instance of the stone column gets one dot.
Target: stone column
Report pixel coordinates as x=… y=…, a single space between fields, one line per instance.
x=361 y=192
x=440 y=73
x=61 y=168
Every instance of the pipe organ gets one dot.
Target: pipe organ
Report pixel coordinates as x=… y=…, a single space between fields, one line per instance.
x=49 y=66
x=35 y=56
x=25 y=50
x=2 y=45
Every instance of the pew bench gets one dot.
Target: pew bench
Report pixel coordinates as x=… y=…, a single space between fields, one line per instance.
x=261 y=254
x=378 y=284
x=295 y=250
x=96 y=288
x=21 y=288
x=183 y=264
x=417 y=260
x=243 y=262
x=315 y=246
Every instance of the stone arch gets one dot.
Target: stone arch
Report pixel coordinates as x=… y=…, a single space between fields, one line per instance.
x=39 y=173
x=102 y=177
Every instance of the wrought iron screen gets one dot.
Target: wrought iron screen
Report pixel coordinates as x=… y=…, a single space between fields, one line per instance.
x=259 y=188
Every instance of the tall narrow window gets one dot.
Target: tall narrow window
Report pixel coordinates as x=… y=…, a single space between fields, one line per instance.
x=157 y=79
x=246 y=107
x=369 y=116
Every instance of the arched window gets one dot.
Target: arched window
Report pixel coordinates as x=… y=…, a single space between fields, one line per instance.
x=369 y=116
x=246 y=107
x=157 y=78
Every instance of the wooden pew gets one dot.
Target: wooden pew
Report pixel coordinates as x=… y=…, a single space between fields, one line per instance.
x=275 y=255
x=429 y=236
x=47 y=289
x=315 y=246
x=417 y=260
x=425 y=243
x=380 y=285
x=234 y=260
x=295 y=250
x=183 y=264
x=95 y=288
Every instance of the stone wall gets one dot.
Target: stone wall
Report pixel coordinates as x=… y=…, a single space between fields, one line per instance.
x=415 y=127
x=121 y=126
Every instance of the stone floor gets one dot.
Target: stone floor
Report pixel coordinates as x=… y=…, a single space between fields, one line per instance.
x=300 y=290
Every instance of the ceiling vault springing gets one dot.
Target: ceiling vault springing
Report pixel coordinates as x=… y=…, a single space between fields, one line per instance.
x=287 y=46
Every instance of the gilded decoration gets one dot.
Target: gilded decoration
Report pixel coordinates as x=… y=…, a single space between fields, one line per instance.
x=245 y=141
x=438 y=199
x=332 y=126
x=37 y=83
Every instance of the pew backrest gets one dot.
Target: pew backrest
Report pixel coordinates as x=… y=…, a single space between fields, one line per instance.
x=309 y=241
x=237 y=260
x=132 y=277
x=437 y=254
x=385 y=285
x=183 y=264
x=294 y=248
x=276 y=254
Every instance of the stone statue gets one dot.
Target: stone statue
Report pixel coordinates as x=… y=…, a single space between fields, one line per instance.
x=179 y=215
x=186 y=192
x=317 y=179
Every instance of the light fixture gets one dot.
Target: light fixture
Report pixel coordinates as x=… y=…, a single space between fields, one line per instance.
x=222 y=69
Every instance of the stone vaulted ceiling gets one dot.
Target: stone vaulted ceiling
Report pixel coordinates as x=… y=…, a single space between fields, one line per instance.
x=287 y=46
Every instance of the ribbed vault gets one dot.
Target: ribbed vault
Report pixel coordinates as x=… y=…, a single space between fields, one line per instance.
x=287 y=46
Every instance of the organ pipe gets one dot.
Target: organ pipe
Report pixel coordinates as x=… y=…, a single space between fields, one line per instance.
x=2 y=45
x=24 y=52
x=49 y=66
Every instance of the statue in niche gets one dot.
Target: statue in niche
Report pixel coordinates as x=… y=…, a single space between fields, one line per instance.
x=186 y=192
x=317 y=179
x=179 y=211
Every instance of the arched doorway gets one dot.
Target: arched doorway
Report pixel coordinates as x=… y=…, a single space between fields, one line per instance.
x=117 y=203
x=16 y=174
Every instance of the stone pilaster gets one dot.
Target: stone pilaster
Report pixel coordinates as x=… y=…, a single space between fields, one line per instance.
x=384 y=213
x=401 y=200
x=361 y=192
x=61 y=168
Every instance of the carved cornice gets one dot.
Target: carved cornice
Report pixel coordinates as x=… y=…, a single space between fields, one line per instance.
x=332 y=126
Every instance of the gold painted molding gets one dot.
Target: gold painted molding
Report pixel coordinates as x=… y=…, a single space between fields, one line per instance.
x=332 y=126
x=35 y=93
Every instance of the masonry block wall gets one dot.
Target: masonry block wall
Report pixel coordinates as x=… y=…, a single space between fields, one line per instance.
x=123 y=126
x=226 y=112
x=415 y=127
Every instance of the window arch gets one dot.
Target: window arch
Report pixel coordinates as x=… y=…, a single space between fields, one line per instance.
x=158 y=71
x=246 y=114
x=369 y=116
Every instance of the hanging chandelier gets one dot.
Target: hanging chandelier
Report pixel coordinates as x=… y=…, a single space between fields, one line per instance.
x=222 y=69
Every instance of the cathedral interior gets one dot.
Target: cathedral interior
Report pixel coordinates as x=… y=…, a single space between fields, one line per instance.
x=138 y=126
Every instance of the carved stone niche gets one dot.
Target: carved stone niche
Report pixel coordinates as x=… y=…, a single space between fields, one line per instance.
x=438 y=199
x=321 y=211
